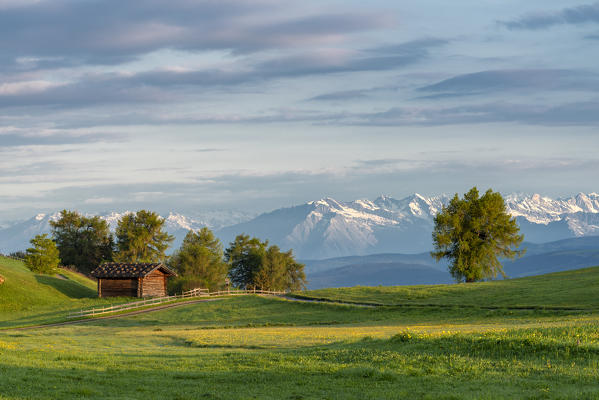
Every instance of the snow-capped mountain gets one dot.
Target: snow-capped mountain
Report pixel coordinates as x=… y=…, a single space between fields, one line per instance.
x=15 y=236
x=543 y=210
x=557 y=219
x=330 y=228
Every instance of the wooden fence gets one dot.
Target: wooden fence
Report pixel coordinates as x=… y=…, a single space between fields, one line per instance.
x=12 y=257
x=160 y=300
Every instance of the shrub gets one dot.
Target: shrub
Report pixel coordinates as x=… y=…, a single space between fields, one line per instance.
x=42 y=258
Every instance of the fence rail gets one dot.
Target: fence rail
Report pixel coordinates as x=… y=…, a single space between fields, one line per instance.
x=159 y=300
x=12 y=257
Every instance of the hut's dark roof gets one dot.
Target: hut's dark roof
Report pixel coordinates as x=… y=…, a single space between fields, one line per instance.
x=129 y=270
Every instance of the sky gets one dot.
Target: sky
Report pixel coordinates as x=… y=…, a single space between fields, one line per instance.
x=193 y=106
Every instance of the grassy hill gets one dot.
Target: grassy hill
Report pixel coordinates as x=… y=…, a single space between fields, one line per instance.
x=271 y=348
x=25 y=294
x=578 y=288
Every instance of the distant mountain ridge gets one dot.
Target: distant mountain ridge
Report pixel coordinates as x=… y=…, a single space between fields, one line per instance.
x=418 y=269
x=328 y=228
x=16 y=236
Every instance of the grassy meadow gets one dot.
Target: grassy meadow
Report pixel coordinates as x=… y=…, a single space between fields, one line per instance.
x=264 y=347
x=28 y=299
x=569 y=289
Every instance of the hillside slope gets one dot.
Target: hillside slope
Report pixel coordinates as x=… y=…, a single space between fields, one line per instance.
x=576 y=289
x=24 y=293
x=421 y=269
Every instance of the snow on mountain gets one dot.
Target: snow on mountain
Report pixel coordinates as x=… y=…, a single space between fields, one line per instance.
x=543 y=210
x=15 y=236
x=330 y=228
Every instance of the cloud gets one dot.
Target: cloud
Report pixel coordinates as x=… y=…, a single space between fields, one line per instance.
x=485 y=82
x=52 y=139
x=569 y=114
x=253 y=191
x=111 y=32
x=169 y=85
x=581 y=113
x=371 y=59
x=99 y=200
x=587 y=13
x=342 y=95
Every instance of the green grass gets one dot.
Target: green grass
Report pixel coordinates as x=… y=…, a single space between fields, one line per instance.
x=270 y=348
x=575 y=289
x=256 y=347
x=27 y=298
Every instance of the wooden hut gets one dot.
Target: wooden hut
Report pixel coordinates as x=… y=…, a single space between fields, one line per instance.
x=132 y=280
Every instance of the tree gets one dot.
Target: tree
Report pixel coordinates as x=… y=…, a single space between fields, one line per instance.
x=279 y=271
x=42 y=258
x=244 y=257
x=199 y=262
x=84 y=242
x=472 y=233
x=140 y=238
x=254 y=264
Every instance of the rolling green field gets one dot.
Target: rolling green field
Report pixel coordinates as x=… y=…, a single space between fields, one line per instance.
x=570 y=289
x=27 y=298
x=266 y=347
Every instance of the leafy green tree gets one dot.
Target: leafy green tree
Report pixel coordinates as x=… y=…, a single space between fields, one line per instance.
x=140 y=238
x=279 y=271
x=472 y=233
x=42 y=258
x=199 y=262
x=244 y=257
x=83 y=242
x=295 y=277
x=253 y=264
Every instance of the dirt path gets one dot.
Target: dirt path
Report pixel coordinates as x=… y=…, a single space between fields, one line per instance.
x=83 y=321
x=296 y=299
x=163 y=307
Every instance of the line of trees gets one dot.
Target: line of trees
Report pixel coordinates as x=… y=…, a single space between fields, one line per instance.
x=85 y=242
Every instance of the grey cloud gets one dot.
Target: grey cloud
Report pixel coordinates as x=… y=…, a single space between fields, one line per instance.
x=92 y=90
x=152 y=86
x=571 y=114
x=416 y=48
x=373 y=59
x=342 y=95
x=587 y=13
x=15 y=173
x=208 y=150
x=112 y=32
x=53 y=139
x=500 y=80
x=568 y=114
x=264 y=192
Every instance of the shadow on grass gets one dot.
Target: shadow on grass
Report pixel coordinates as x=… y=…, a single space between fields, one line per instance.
x=33 y=319
x=67 y=287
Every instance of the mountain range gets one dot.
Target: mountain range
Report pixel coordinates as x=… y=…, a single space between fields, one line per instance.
x=417 y=269
x=329 y=228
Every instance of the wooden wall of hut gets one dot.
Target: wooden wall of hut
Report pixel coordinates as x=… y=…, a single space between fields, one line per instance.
x=154 y=284
x=112 y=287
